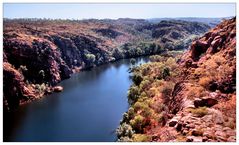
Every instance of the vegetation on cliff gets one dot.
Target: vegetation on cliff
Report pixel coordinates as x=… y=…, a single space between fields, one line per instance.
x=191 y=97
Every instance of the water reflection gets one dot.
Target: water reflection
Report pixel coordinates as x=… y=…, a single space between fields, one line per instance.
x=89 y=108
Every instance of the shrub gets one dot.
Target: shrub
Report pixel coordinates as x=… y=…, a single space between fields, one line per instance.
x=131 y=112
x=138 y=106
x=144 y=85
x=165 y=72
x=41 y=88
x=141 y=138
x=161 y=107
x=117 y=53
x=162 y=118
x=196 y=92
x=156 y=58
x=124 y=130
x=132 y=61
x=166 y=91
x=205 y=81
x=146 y=111
x=133 y=94
x=22 y=68
x=90 y=59
x=137 y=78
x=125 y=117
x=200 y=112
x=137 y=123
x=138 y=51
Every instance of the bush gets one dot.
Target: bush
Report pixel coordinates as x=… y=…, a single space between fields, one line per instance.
x=138 y=106
x=165 y=73
x=137 y=123
x=196 y=92
x=131 y=112
x=162 y=118
x=200 y=112
x=132 y=61
x=161 y=107
x=133 y=94
x=138 y=51
x=90 y=59
x=117 y=53
x=146 y=111
x=145 y=84
x=205 y=81
x=156 y=58
x=137 y=78
x=22 y=68
x=124 y=130
x=41 y=88
x=166 y=91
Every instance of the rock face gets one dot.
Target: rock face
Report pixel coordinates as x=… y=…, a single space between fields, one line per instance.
x=204 y=117
x=15 y=88
x=44 y=52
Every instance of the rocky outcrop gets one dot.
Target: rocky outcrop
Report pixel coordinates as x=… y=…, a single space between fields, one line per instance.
x=15 y=89
x=199 y=117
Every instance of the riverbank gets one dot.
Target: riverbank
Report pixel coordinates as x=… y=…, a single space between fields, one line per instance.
x=89 y=108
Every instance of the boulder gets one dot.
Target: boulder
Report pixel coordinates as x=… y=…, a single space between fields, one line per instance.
x=57 y=88
x=196 y=132
x=189 y=139
x=220 y=135
x=204 y=139
x=179 y=127
x=173 y=122
x=185 y=132
x=231 y=132
x=194 y=139
x=231 y=139
x=208 y=102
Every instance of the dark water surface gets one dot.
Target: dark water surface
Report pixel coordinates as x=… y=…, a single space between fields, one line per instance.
x=89 y=109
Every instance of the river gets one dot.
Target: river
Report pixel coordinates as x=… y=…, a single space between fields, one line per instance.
x=89 y=109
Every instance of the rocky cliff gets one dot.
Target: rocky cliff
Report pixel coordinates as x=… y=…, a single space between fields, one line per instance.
x=40 y=53
x=191 y=97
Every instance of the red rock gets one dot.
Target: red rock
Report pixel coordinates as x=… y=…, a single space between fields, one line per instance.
x=215 y=43
x=15 y=88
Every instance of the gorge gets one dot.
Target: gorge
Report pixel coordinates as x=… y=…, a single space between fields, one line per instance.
x=38 y=54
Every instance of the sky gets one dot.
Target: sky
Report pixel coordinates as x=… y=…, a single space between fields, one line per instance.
x=114 y=11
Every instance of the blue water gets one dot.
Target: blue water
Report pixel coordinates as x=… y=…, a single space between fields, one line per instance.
x=89 y=109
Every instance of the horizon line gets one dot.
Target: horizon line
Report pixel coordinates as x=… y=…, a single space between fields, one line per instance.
x=119 y=18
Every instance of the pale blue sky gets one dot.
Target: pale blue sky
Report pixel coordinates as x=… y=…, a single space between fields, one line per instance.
x=114 y=11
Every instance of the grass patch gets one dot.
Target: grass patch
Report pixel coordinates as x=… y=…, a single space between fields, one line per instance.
x=141 y=138
x=199 y=112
